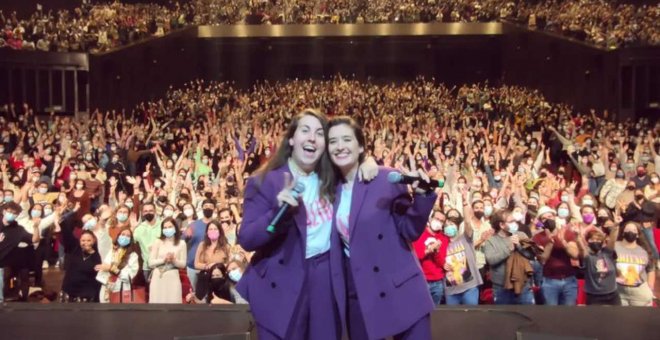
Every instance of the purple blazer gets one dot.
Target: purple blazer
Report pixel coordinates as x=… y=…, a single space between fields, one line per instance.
x=383 y=222
x=274 y=279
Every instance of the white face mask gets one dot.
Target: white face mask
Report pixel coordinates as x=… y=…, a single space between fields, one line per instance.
x=436 y=225
x=518 y=216
x=188 y=212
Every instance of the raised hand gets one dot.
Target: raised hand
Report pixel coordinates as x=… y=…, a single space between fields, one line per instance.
x=286 y=195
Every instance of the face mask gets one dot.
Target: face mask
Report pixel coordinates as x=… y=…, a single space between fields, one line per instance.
x=451 y=230
x=620 y=175
x=488 y=210
x=168 y=213
x=235 y=275
x=169 y=232
x=479 y=214
x=497 y=178
x=122 y=217
x=73 y=176
x=208 y=213
x=10 y=217
x=157 y=184
x=213 y=234
x=129 y=205
x=630 y=236
x=43 y=190
x=123 y=240
x=588 y=202
x=436 y=225
x=655 y=180
x=9 y=199
x=641 y=173
x=639 y=197
x=89 y=225
x=588 y=218
x=517 y=216
x=149 y=217
x=564 y=198
x=188 y=212
x=35 y=214
x=601 y=220
x=48 y=212
x=595 y=246
x=550 y=224
x=79 y=186
x=513 y=227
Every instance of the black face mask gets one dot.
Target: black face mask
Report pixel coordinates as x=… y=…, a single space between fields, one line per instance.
x=208 y=213
x=550 y=225
x=478 y=214
x=595 y=246
x=601 y=220
x=639 y=197
x=149 y=217
x=630 y=236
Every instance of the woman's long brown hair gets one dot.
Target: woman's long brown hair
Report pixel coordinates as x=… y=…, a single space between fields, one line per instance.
x=323 y=167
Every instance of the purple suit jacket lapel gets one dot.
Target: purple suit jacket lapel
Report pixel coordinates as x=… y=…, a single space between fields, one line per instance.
x=359 y=192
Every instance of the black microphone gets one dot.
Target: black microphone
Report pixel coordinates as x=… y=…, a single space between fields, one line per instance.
x=297 y=190
x=395 y=177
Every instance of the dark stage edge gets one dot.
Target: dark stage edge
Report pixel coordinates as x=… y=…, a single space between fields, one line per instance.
x=97 y=322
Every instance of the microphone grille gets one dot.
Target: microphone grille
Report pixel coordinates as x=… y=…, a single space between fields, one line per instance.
x=394 y=177
x=299 y=188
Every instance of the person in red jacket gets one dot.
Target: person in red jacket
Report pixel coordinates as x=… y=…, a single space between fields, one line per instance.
x=431 y=250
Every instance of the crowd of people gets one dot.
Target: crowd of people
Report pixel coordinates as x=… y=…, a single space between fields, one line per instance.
x=102 y=27
x=535 y=198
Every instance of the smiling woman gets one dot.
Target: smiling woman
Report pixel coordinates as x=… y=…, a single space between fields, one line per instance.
x=373 y=227
x=296 y=253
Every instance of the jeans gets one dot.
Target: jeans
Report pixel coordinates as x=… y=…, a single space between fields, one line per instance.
x=437 y=290
x=508 y=297
x=2 y=285
x=192 y=276
x=648 y=233
x=468 y=297
x=560 y=291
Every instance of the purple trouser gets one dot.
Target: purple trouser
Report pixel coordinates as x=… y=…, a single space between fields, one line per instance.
x=420 y=330
x=315 y=315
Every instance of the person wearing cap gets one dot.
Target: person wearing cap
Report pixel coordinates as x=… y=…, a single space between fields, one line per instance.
x=12 y=235
x=498 y=249
x=559 y=248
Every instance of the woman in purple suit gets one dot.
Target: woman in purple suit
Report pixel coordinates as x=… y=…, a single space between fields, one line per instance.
x=375 y=223
x=288 y=283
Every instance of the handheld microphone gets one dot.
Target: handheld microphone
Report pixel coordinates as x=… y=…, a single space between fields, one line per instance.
x=396 y=177
x=297 y=190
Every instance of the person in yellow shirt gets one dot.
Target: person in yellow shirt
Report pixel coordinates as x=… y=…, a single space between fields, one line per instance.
x=42 y=195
